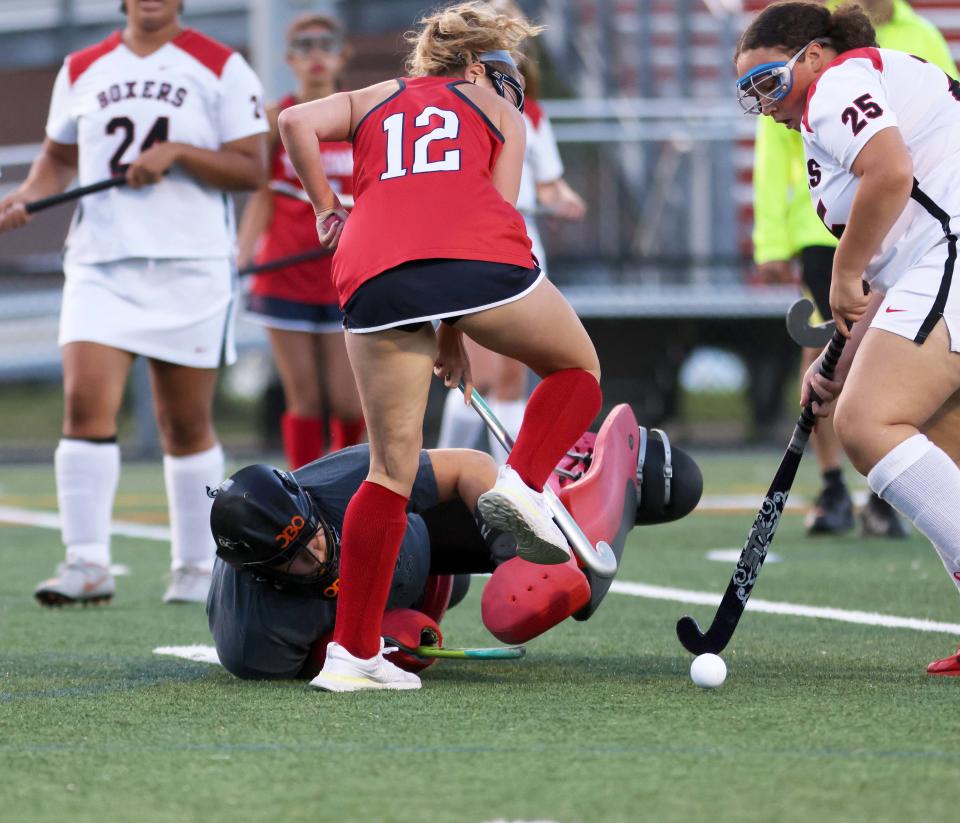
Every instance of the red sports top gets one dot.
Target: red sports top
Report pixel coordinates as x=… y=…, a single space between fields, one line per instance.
x=422 y=181
x=293 y=230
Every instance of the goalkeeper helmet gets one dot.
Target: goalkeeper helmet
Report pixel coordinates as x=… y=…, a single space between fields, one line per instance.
x=263 y=521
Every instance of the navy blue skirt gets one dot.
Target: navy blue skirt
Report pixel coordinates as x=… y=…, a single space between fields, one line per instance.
x=413 y=294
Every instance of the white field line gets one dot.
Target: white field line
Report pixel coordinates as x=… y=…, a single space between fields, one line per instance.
x=196 y=653
x=751 y=502
x=733 y=555
x=51 y=520
x=645 y=590
x=743 y=502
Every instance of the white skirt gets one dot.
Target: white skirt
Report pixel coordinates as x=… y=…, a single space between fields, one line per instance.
x=922 y=294
x=177 y=310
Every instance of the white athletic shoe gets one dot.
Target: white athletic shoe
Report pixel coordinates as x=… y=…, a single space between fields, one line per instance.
x=76 y=582
x=342 y=672
x=188 y=584
x=512 y=506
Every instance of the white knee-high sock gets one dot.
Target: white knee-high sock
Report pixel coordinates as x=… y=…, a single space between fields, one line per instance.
x=87 y=474
x=921 y=482
x=186 y=478
x=510 y=413
x=461 y=425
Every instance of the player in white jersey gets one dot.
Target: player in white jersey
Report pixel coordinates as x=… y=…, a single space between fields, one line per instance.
x=542 y=189
x=148 y=272
x=881 y=132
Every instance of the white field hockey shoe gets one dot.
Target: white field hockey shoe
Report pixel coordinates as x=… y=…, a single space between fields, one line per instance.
x=76 y=582
x=342 y=672
x=512 y=506
x=188 y=584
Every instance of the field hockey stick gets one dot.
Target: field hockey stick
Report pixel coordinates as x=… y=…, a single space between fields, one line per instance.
x=761 y=534
x=286 y=189
x=800 y=330
x=600 y=560
x=283 y=262
x=74 y=194
x=492 y=653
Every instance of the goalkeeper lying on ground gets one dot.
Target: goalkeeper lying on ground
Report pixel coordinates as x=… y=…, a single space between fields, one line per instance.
x=272 y=602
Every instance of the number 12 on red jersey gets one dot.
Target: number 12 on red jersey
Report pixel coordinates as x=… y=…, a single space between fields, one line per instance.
x=449 y=130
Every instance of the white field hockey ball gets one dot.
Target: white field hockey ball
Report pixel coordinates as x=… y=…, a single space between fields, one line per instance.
x=708 y=671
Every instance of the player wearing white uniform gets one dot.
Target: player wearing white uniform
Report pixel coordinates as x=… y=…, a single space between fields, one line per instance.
x=542 y=186
x=881 y=132
x=148 y=271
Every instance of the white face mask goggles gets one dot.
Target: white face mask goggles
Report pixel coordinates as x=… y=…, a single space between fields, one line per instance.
x=769 y=83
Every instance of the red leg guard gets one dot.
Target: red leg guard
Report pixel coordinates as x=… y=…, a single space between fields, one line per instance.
x=523 y=600
x=345 y=433
x=558 y=412
x=412 y=629
x=436 y=596
x=302 y=439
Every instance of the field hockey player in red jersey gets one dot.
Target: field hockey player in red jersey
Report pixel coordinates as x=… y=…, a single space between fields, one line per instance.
x=434 y=236
x=298 y=304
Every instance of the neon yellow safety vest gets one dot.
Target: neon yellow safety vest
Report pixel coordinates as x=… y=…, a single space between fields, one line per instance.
x=784 y=218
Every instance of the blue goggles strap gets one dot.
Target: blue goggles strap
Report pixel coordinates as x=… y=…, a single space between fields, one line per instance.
x=497 y=56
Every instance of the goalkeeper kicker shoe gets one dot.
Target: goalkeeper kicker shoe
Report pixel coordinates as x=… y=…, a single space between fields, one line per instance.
x=512 y=506
x=188 y=584
x=342 y=672
x=76 y=582
x=949 y=666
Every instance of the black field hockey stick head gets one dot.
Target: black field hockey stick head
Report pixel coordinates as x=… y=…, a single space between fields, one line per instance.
x=801 y=331
x=693 y=640
x=761 y=535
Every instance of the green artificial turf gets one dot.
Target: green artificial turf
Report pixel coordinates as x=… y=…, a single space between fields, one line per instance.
x=818 y=720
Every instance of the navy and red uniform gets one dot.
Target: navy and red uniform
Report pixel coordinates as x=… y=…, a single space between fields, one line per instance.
x=299 y=297
x=263 y=631
x=424 y=197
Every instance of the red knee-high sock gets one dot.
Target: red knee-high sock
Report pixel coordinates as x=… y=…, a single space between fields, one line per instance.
x=558 y=412
x=373 y=528
x=345 y=433
x=302 y=439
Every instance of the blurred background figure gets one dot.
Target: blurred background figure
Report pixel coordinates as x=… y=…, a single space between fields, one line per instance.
x=298 y=304
x=148 y=270
x=787 y=232
x=543 y=190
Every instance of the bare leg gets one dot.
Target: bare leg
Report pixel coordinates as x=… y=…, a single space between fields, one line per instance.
x=295 y=353
x=871 y=419
x=346 y=415
x=183 y=401
x=541 y=330
x=343 y=396
x=393 y=371
x=944 y=427
x=94 y=377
